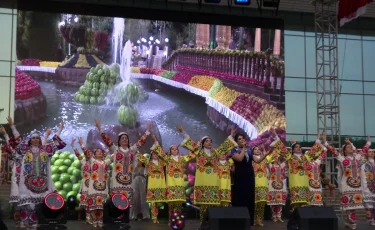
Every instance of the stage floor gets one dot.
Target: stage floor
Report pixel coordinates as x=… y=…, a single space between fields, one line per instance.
x=190 y=225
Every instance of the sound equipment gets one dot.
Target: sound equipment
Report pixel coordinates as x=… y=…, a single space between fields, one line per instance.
x=313 y=218
x=219 y=218
x=116 y=213
x=2 y=224
x=51 y=213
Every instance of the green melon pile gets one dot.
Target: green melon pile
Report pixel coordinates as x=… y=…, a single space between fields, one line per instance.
x=99 y=81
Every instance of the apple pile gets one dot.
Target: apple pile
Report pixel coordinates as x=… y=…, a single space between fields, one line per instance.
x=66 y=174
x=26 y=87
x=30 y=62
x=182 y=77
x=248 y=106
x=157 y=72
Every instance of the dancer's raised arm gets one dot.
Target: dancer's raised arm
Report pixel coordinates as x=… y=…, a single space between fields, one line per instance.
x=143 y=139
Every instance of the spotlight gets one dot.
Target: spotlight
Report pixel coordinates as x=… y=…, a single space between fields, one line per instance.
x=138 y=41
x=76 y=19
x=157 y=41
x=151 y=38
x=166 y=40
x=149 y=43
x=62 y=23
x=242 y=2
x=117 y=212
x=51 y=213
x=165 y=53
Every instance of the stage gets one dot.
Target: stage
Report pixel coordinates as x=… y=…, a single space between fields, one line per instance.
x=190 y=225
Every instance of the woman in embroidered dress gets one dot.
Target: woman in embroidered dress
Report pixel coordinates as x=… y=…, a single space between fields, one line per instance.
x=277 y=187
x=176 y=165
x=224 y=166
x=315 y=183
x=124 y=162
x=206 y=187
x=140 y=206
x=156 y=187
x=368 y=181
x=15 y=165
x=35 y=182
x=244 y=179
x=298 y=180
x=350 y=183
x=98 y=183
x=85 y=168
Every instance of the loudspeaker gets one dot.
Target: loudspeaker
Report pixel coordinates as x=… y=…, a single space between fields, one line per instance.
x=218 y=218
x=313 y=218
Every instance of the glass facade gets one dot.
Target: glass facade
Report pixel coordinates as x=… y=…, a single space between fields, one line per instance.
x=357 y=83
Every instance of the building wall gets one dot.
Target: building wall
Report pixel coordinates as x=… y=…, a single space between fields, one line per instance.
x=8 y=25
x=357 y=81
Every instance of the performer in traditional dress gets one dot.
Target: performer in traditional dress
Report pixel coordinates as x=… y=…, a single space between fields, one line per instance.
x=98 y=183
x=206 y=187
x=298 y=180
x=244 y=179
x=15 y=166
x=124 y=162
x=224 y=166
x=350 y=183
x=86 y=173
x=140 y=209
x=156 y=187
x=315 y=183
x=176 y=165
x=368 y=181
x=277 y=187
x=35 y=182
x=261 y=182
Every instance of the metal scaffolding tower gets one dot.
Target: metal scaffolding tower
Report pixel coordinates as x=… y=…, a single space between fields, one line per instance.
x=327 y=76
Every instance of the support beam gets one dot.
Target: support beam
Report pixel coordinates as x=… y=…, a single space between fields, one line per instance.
x=327 y=77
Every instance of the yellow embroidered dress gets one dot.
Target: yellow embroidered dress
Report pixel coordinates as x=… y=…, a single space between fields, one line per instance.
x=206 y=188
x=156 y=187
x=225 y=181
x=298 y=180
x=261 y=181
x=175 y=174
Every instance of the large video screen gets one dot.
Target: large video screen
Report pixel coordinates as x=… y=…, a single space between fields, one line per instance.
x=127 y=72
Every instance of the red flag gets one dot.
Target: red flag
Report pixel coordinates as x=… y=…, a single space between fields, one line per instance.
x=351 y=9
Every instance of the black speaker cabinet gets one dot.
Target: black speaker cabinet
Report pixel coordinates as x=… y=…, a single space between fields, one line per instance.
x=218 y=218
x=313 y=218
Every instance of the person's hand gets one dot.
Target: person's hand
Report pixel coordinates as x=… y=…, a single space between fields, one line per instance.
x=62 y=124
x=98 y=124
x=274 y=132
x=80 y=141
x=149 y=125
x=2 y=130
x=294 y=140
x=368 y=139
x=10 y=121
x=319 y=136
x=180 y=129
x=48 y=132
x=262 y=148
x=324 y=138
x=72 y=143
x=347 y=141
x=233 y=132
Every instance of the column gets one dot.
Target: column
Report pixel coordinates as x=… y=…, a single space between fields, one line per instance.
x=198 y=36
x=258 y=40
x=228 y=36
x=276 y=43
x=205 y=35
x=8 y=25
x=221 y=36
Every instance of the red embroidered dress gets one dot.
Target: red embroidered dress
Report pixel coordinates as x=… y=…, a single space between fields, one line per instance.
x=35 y=176
x=86 y=174
x=124 y=164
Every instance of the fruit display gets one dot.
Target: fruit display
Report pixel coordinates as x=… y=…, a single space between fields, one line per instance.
x=99 y=81
x=50 y=64
x=66 y=174
x=128 y=94
x=267 y=138
x=182 y=77
x=30 y=62
x=202 y=82
x=127 y=116
x=270 y=118
x=81 y=61
x=26 y=87
x=100 y=40
x=135 y=70
x=226 y=96
x=157 y=72
x=168 y=74
x=248 y=106
x=216 y=87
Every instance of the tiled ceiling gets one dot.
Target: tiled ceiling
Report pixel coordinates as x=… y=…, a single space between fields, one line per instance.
x=286 y=5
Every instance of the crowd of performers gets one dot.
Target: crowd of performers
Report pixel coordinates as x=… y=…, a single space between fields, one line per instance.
x=259 y=175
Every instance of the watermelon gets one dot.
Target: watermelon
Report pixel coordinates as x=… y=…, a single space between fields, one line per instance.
x=103 y=85
x=87 y=92
x=82 y=90
x=76 y=96
x=102 y=92
x=100 y=100
x=92 y=100
x=88 y=84
x=115 y=68
x=95 y=78
x=82 y=98
x=96 y=85
x=104 y=78
x=110 y=85
x=106 y=70
x=100 y=72
x=127 y=116
x=92 y=70
x=132 y=92
x=111 y=81
x=87 y=99
x=94 y=92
